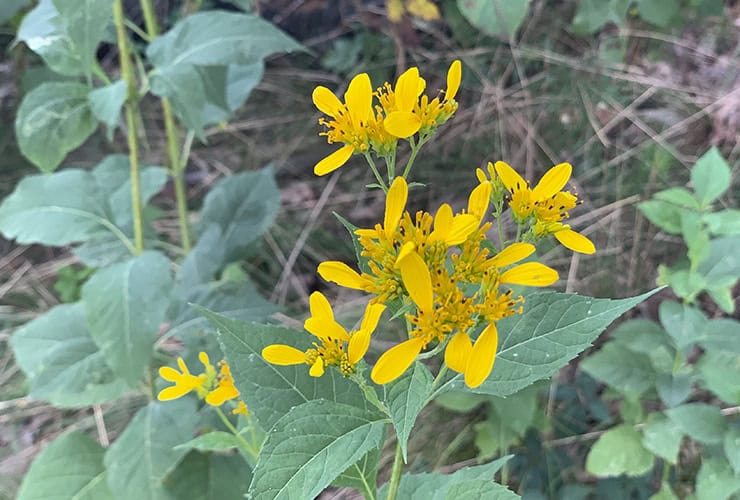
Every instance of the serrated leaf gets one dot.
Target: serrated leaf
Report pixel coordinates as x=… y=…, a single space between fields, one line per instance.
x=662 y=437
x=107 y=102
x=436 y=486
x=405 y=398
x=710 y=175
x=628 y=372
x=61 y=360
x=271 y=391
x=85 y=22
x=682 y=322
x=554 y=328
x=664 y=215
x=125 y=305
x=362 y=475
x=716 y=480
x=54 y=475
x=702 y=422
x=720 y=372
x=212 y=441
x=724 y=223
x=310 y=446
x=209 y=477
x=619 y=451
x=42 y=31
x=501 y=18
x=144 y=454
x=53 y=119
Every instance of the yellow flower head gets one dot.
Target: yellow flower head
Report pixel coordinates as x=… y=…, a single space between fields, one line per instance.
x=224 y=389
x=184 y=381
x=337 y=348
x=423 y=9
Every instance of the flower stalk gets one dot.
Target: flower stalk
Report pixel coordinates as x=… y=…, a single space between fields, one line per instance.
x=395 y=480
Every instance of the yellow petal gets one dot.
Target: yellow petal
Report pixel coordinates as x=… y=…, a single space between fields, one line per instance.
x=462 y=226
x=513 y=253
x=333 y=161
x=402 y=124
x=372 y=316
x=283 y=355
x=341 y=274
x=454 y=75
x=479 y=199
x=395 y=204
x=509 y=177
x=358 y=345
x=458 y=351
x=317 y=368
x=575 y=241
x=442 y=223
x=325 y=328
x=204 y=360
x=481 y=175
x=221 y=394
x=407 y=249
x=326 y=101
x=482 y=357
x=407 y=89
x=553 y=181
x=367 y=233
x=396 y=360
x=170 y=374
x=418 y=281
x=319 y=306
x=183 y=366
x=359 y=97
x=173 y=392
x=530 y=274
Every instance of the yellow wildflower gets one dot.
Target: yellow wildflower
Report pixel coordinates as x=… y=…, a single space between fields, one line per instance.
x=184 y=381
x=224 y=389
x=423 y=9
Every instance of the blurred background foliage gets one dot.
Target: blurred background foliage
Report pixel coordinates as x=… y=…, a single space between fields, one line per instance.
x=632 y=93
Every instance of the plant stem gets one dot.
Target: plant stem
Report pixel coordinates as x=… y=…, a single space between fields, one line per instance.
x=395 y=481
x=374 y=168
x=246 y=446
x=133 y=142
x=415 y=148
x=176 y=165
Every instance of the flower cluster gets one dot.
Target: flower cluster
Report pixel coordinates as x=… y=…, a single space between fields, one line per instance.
x=215 y=386
x=402 y=111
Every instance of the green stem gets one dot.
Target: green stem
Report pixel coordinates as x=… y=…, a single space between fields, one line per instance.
x=133 y=142
x=415 y=148
x=390 y=163
x=150 y=18
x=374 y=168
x=395 y=480
x=246 y=446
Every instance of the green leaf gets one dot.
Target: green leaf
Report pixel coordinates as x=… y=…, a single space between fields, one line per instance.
x=209 y=477
x=554 y=328
x=702 y=422
x=227 y=88
x=405 y=398
x=662 y=437
x=481 y=489
x=724 y=223
x=720 y=335
x=53 y=119
x=658 y=12
x=42 y=31
x=721 y=267
x=85 y=22
x=665 y=493
x=696 y=237
x=144 y=454
x=710 y=175
x=61 y=360
x=461 y=401
x=493 y=436
x=9 y=8
x=720 y=372
x=731 y=445
x=363 y=475
x=310 y=446
x=212 y=441
x=664 y=215
x=682 y=322
x=125 y=305
x=518 y=411
x=271 y=391
x=500 y=18
x=673 y=389
x=716 y=480
x=628 y=372
x=243 y=206
x=678 y=196
x=54 y=474
x=436 y=486
x=619 y=451
x=647 y=338
x=362 y=261
x=592 y=15
x=722 y=296
x=107 y=102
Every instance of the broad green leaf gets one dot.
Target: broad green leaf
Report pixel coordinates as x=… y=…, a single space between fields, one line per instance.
x=720 y=372
x=721 y=266
x=682 y=322
x=204 y=261
x=85 y=22
x=664 y=215
x=673 y=389
x=69 y=467
x=647 y=338
x=481 y=489
x=701 y=422
x=678 y=196
x=143 y=455
x=107 y=102
x=311 y=446
x=501 y=18
x=270 y=391
x=243 y=206
x=125 y=305
x=628 y=372
x=9 y=8
x=710 y=175
x=696 y=237
x=436 y=486
x=731 y=445
x=724 y=223
x=518 y=411
x=554 y=328
x=720 y=335
x=658 y=12
x=619 y=451
x=592 y=15
x=227 y=88
x=363 y=475
x=61 y=360
x=722 y=296
x=493 y=436
x=212 y=441
x=716 y=480
x=183 y=86
x=405 y=398
x=461 y=401
x=662 y=437
x=665 y=493
x=684 y=283
x=53 y=119
x=209 y=477
x=43 y=32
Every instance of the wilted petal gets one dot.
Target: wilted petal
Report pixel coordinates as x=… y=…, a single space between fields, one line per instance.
x=458 y=351
x=530 y=274
x=402 y=124
x=482 y=357
x=341 y=274
x=454 y=75
x=326 y=101
x=284 y=355
x=418 y=281
x=575 y=241
x=509 y=177
x=513 y=253
x=553 y=181
x=333 y=161
x=395 y=203
x=396 y=360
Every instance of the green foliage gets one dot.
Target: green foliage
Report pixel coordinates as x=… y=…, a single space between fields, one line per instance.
x=405 y=398
x=662 y=437
x=69 y=467
x=209 y=477
x=213 y=441
x=106 y=104
x=501 y=18
x=619 y=451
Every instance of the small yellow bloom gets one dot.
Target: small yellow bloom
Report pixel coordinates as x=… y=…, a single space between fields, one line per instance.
x=184 y=381
x=241 y=409
x=224 y=389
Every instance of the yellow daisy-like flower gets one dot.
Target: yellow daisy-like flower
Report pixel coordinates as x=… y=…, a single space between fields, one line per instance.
x=184 y=381
x=338 y=347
